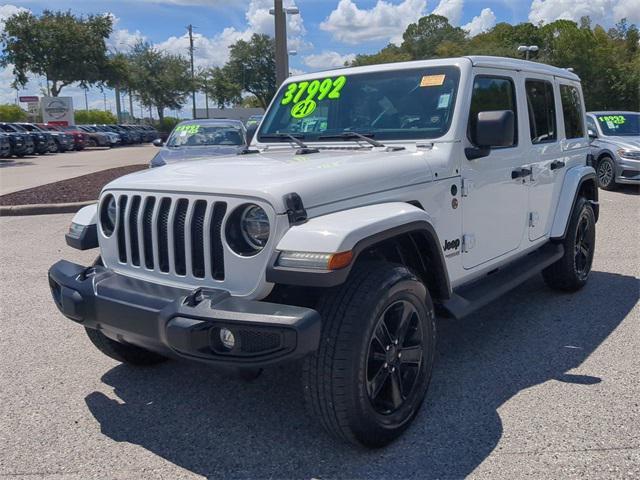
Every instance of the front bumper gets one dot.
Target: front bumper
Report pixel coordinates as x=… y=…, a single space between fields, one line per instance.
x=627 y=170
x=183 y=323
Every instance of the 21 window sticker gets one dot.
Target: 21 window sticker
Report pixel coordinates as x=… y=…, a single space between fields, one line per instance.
x=305 y=95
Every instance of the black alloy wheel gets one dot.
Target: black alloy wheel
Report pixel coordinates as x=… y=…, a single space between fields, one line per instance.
x=394 y=358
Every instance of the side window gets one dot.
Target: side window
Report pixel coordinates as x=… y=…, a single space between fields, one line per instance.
x=490 y=94
x=542 y=111
x=591 y=125
x=571 y=111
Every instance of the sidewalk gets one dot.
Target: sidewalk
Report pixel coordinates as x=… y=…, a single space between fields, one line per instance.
x=28 y=172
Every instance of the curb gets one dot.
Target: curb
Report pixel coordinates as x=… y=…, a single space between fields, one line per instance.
x=43 y=208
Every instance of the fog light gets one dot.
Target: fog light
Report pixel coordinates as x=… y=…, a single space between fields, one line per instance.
x=227 y=338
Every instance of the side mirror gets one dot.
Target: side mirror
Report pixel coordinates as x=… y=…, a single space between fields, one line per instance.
x=495 y=129
x=592 y=134
x=158 y=142
x=492 y=129
x=251 y=131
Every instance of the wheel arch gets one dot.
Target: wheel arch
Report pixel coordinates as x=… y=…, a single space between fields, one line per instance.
x=397 y=232
x=579 y=181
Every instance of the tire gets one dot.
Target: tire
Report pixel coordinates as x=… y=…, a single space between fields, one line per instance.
x=339 y=379
x=91 y=143
x=606 y=173
x=121 y=352
x=571 y=272
x=54 y=148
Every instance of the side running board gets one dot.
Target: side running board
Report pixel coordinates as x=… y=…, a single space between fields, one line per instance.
x=468 y=298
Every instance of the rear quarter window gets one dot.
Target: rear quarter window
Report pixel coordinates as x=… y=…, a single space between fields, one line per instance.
x=572 y=111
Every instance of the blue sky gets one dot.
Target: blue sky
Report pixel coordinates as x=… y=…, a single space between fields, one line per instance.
x=325 y=34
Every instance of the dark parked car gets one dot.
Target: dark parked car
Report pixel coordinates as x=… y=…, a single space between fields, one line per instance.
x=20 y=142
x=43 y=139
x=113 y=138
x=150 y=133
x=5 y=145
x=199 y=139
x=63 y=141
x=125 y=136
x=134 y=132
x=40 y=140
x=79 y=137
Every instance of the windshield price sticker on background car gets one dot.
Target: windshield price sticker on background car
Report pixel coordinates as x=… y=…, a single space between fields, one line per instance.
x=305 y=95
x=432 y=80
x=188 y=129
x=615 y=119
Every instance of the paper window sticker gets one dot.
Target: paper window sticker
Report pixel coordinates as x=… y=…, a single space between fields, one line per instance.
x=432 y=80
x=443 y=101
x=610 y=125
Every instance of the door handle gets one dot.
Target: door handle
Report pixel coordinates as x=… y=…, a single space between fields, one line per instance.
x=556 y=164
x=520 y=172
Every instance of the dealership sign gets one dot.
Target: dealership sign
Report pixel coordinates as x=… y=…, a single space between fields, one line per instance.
x=58 y=110
x=29 y=99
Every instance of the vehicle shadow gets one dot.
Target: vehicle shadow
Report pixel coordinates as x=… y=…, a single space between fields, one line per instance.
x=220 y=427
x=628 y=189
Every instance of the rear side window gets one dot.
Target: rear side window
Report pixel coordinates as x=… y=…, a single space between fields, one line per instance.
x=591 y=124
x=571 y=111
x=542 y=111
x=490 y=94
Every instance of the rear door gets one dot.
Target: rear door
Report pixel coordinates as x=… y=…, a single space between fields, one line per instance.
x=494 y=208
x=545 y=152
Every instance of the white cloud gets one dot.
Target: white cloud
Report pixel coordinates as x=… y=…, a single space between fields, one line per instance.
x=327 y=60
x=214 y=51
x=385 y=21
x=600 y=11
x=122 y=39
x=452 y=9
x=481 y=23
x=628 y=9
x=8 y=10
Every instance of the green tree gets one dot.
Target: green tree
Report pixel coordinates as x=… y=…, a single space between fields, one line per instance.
x=220 y=87
x=389 y=54
x=167 y=124
x=252 y=66
x=420 y=40
x=12 y=113
x=60 y=46
x=94 y=116
x=162 y=80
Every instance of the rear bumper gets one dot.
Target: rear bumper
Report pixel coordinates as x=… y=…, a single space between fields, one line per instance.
x=178 y=322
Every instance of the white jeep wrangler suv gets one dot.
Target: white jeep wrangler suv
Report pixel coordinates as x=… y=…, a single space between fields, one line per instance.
x=369 y=199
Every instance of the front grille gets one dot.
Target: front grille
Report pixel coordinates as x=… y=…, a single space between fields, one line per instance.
x=171 y=235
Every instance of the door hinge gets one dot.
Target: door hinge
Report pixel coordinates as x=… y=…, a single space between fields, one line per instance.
x=468 y=242
x=466 y=187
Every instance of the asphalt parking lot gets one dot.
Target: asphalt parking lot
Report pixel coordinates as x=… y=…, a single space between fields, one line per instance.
x=538 y=385
x=34 y=170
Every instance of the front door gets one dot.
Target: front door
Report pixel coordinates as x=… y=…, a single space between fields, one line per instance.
x=494 y=209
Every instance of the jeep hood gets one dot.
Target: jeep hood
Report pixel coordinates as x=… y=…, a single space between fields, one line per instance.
x=319 y=178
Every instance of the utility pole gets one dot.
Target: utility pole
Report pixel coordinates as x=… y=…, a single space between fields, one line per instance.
x=282 y=54
x=193 y=80
x=206 y=93
x=118 y=108
x=86 y=101
x=282 y=60
x=131 y=104
x=104 y=94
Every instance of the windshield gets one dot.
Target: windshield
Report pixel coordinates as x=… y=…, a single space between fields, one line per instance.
x=399 y=104
x=196 y=135
x=622 y=124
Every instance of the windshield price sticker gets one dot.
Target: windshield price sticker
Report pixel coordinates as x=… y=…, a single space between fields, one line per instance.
x=305 y=95
x=615 y=119
x=185 y=129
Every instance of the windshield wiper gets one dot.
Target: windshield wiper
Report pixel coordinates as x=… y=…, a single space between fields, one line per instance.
x=347 y=135
x=303 y=146
x=362 y=136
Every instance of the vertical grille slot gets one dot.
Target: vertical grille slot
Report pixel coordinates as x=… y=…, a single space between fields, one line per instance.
x=197 y=238
x=146 y=231
x=215 y=233
x=178 y=236
x=133 y=231
x=122 y=239
x=163 y=234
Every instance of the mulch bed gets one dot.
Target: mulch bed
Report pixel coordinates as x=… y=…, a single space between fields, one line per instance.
x=78 y=189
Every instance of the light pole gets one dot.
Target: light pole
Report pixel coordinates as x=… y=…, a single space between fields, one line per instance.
x=282 y=58
x=193 y=85
x=527 y=49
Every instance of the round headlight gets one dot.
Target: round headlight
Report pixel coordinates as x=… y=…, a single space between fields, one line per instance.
x=254 y=225
x=108 y=215
x=247 y=229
